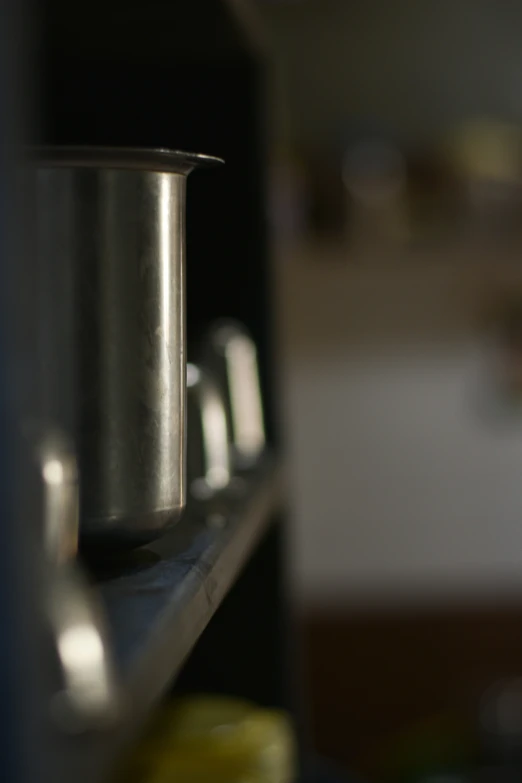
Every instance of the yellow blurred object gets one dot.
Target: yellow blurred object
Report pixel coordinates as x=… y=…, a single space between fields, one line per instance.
x=211 y=738
x=487 y=149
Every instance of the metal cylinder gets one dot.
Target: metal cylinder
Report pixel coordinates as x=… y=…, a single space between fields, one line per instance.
x=117 y=218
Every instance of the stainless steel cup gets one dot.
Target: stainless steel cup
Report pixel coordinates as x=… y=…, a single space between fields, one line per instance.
x=115 y=220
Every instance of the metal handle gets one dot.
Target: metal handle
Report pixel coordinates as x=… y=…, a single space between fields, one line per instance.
x=208 y=458
x=89 y=696
x=232 y=355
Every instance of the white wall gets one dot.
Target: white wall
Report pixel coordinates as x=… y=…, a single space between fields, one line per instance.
x=405 y=479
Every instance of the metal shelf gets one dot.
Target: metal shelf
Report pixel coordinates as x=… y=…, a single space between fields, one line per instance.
x=158 y=600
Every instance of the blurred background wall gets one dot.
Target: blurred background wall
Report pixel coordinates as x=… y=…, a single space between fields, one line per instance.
x=405 y=480
x=405 y=456
x=399 y=476
x=413 y=66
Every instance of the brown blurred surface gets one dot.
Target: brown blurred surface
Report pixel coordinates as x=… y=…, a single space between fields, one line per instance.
x=374 y=674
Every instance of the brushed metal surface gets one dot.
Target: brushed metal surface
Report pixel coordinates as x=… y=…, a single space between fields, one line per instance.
x=121 y=228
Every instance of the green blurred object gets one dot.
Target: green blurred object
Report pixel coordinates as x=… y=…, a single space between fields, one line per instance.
x=212 y=738
x=441 y=748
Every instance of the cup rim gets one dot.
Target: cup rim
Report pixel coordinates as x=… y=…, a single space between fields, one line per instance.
x=160 y=160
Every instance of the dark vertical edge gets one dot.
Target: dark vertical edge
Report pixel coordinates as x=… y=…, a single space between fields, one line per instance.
x=20 y=610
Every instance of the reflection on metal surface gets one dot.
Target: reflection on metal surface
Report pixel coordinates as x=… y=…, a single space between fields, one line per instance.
x=193 y=375
x=209 y=465
x=90 y=696
x=233 y=357
x=82 y=656
x=60 y=475
x=215 y=436
x=80 y=646
x=53 y=472
x=245 y=396
x=56 y=464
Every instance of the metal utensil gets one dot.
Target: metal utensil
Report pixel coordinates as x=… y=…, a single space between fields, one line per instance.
x=209 y=468
x=88 y=695
x=117 y=218
x=232 y=356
